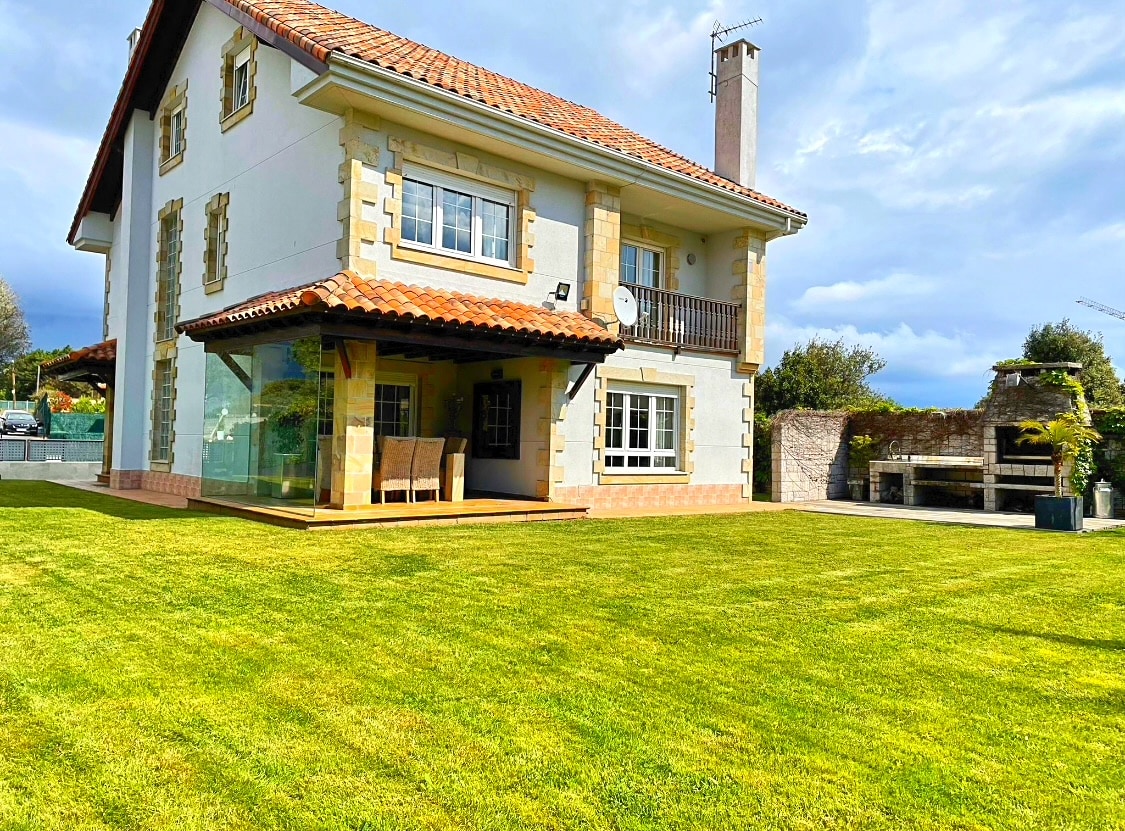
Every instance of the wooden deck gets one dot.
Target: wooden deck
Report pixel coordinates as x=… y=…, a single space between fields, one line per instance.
x=397 y=514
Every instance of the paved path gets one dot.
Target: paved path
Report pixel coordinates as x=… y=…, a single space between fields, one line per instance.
x=941 y=515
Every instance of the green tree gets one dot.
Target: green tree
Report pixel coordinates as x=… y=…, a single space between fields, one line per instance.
x=27 y=371
x=1065 y=343
x=14 y=340
x=820 y=375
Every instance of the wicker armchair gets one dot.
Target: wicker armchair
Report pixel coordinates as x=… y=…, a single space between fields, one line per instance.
x=425 y=472
x=393 y=473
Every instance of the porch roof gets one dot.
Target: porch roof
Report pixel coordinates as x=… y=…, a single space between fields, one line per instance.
x=381 y=309
x=97 y=363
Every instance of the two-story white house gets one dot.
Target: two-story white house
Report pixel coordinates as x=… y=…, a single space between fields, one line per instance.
x=317 y=233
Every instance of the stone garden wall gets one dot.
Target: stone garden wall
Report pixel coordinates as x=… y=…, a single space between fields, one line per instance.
x=810 y=456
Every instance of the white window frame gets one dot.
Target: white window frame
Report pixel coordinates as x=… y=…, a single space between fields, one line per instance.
x=177 y=140
x=400 y=379
x=241 y=65
x=628 y=392
x=641 y=249
x=480 y=193
x=215 y=218
x=168 y=276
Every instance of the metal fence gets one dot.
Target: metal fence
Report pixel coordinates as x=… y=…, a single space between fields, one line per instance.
x=17 y=405
x=50 y=450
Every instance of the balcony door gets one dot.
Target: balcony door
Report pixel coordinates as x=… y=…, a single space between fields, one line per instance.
x=396 y=405
x=642 y=266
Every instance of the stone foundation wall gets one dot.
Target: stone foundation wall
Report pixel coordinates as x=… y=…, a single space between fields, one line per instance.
x=810 y=456
x=173 y=483
x=650 y=496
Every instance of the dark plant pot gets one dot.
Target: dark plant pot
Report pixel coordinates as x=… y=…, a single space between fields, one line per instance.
x=1058 y=513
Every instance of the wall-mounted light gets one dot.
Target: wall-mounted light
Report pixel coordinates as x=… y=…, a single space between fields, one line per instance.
x=562 y=292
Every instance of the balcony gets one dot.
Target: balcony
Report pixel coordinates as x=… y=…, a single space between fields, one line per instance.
x=667 y=318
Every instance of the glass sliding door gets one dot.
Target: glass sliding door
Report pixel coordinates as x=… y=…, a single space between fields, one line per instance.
x=263 y=416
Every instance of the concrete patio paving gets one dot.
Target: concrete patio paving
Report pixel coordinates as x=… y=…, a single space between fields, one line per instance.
x=946 y=516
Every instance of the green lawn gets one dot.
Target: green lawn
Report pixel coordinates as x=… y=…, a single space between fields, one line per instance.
x=164 y=670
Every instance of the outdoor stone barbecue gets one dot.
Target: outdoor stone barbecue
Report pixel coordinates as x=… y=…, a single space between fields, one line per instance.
x=947 y=459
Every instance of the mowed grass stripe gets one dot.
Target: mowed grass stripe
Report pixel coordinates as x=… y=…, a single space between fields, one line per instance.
x=161 y=669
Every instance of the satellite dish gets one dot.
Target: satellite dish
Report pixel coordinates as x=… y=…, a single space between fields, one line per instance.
x=625 y=306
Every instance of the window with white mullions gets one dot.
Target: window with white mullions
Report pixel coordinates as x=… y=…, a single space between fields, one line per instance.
x=642 y=430
x=641 y=266
x=177 y=138
x=241 y=80
x=475 y=220
x=417 y=212
x=457 y=221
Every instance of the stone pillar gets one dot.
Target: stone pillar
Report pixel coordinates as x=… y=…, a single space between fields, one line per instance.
x=749 y=291
x=354 y=435
x=603 y=251
x=551 y=402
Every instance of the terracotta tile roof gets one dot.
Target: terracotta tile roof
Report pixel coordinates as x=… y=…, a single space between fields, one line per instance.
x=102 y=353
x=320 y=32
x=349 y=292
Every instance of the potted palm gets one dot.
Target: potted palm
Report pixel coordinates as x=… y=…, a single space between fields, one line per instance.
x=1068 y=437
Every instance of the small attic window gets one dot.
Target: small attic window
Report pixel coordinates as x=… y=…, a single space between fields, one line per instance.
x=242 y=80
x=240 y=68
x=173 y=129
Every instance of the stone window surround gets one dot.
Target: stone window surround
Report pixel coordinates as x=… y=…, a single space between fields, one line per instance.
x=176 y=99
x=242 y=40
x=606 y=376
x=466 y=166
x=163 y=465
x=175 y=206
x=642 y=235
x=216 y=207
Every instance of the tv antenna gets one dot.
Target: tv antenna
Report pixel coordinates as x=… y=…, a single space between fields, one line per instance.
x=719 y=35
x=1098 y=307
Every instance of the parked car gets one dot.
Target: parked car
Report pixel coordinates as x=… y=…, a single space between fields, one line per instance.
x=18 y=422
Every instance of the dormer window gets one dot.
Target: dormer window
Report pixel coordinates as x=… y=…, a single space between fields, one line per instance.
x=458 y=217
x=173 y=128
x=239 y=70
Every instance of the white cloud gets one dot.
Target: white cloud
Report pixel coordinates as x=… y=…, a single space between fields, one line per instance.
x=654 y=42
x=924 y=354
x=880 y=293
x=1114 y=232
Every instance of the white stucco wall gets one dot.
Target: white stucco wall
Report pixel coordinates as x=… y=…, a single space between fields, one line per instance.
x=718 y=415
x=280 y=167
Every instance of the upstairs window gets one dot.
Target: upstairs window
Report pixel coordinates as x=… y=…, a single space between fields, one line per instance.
x=240 y=67
x=173 y=129
x=641 y=266
x=215 y=256
x=241 y=80
x=168 y=272
x=642 y=430
x=459 y=217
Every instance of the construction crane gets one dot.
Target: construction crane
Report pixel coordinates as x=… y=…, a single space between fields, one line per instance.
x=1099 y=307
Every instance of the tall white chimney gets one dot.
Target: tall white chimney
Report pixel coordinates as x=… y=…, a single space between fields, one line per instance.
x=736 y=112
x=134 y=39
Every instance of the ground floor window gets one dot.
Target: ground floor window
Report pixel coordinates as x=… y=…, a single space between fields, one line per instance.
x=642 y=429
x=396 y=405
x=163 y=379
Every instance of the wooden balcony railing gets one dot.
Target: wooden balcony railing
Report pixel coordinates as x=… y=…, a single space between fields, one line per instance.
x=672 y=319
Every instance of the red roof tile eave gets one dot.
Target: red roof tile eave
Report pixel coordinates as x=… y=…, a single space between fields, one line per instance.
x=721 y=185
x=100 y=353
x=297 y=22
x=348 y=296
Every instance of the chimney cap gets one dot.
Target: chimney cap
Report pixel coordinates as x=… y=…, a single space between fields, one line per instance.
x=751 y=48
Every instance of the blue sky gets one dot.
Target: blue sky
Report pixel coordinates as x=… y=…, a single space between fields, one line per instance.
x=963 y=163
